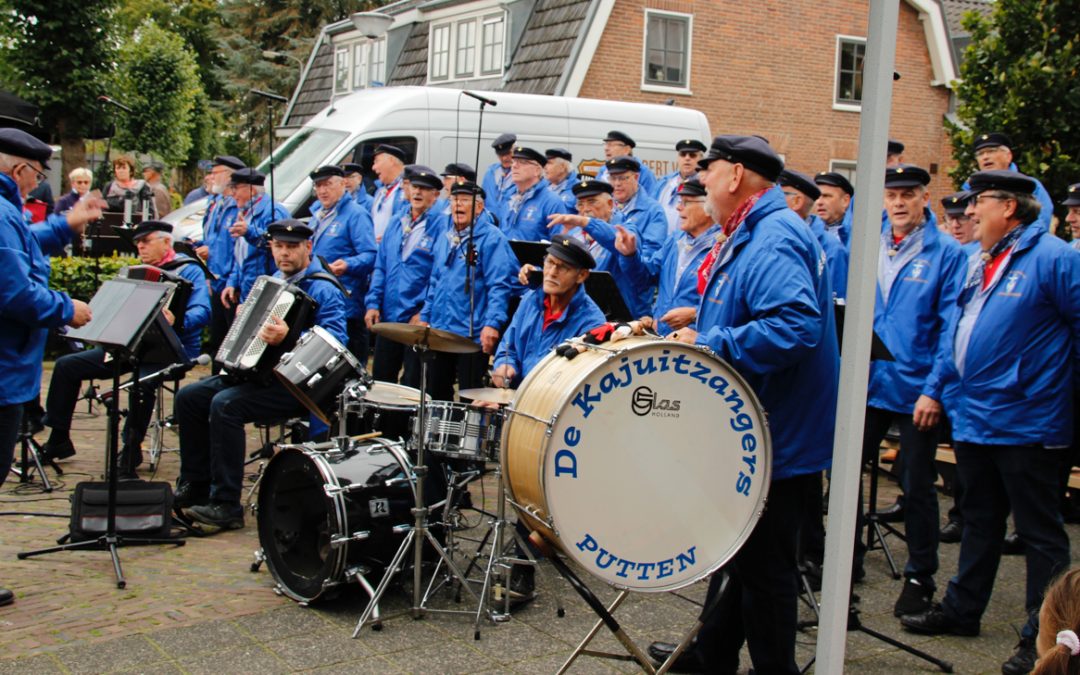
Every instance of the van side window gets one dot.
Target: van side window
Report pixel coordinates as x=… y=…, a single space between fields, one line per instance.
x=364 y=152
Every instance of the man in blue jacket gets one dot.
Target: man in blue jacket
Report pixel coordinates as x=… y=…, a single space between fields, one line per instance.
x=766 y=309
x=251 y=252
x=834 y=205
x=530 y=202
x=497 y=182
x=29 y=309
x=920 y=272
x=216 y=247
x=466 y=296
x=561 y=176
x=153 y=239
x=212 y=413
x=673 y=268
x=689 y=152
x=1072 y=217
x=399 y=282
x=345 y=239
x=801 y=194
x=617 y=144
x=993 y=152
x=388 y=162
x=354 y=186
x=1015 y=339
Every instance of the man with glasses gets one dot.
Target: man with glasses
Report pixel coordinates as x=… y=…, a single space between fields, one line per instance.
x=216 y=247
x=354 y=185
x=617 y=144
x=530 y=202
x=667 y=188
x=993 y=152
x=28 y=307
x=1014 y=338
x=251 y=249
x=497 y=182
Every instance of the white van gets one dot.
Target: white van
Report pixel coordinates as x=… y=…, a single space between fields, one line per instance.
x=436 y=126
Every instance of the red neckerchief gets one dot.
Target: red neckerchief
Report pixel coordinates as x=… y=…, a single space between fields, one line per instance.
x=549 y=316
x=991 y=267
x=167 y=258
x=730 y=226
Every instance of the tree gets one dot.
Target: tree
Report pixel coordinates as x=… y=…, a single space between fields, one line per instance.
x=59 y=55
x=1021 y=76
x=159 y=80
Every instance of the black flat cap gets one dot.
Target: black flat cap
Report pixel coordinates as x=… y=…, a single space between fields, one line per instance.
x=425 y=177
x=571 y=251
x=690 y=145
x=906 y=175
x=834 y=179
x=623 y=164
x=461 y=170
x=753 y=152
x=1073 y=197
x=503 y=143
x=691 y=187
x=1004 y=180
x=561 y=153
x=229 y=161
x=393 y=150
x=328 y=171
x=350 y=168
x=991 y=140
x=21 y=144
x=530 y=155
x=289 y=230
x=955 y=204
x=154 y=165
x=799 y=181
x=147 y=226
x=246 y=176
x=417 y=169
x=895 y=147
x=587 y=187
x=620 y=137
x=467 y=187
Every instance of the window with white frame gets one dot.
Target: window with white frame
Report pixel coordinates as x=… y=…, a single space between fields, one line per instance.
x=467 y=48
x=369 y=63
x=844 y=167
x=850 y=54
x=666 y=61
x=341 y=70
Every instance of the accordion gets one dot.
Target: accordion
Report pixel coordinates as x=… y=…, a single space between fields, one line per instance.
x=243 y=353
x=179 y=301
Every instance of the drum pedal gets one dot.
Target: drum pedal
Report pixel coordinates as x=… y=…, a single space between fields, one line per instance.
x=337 y=541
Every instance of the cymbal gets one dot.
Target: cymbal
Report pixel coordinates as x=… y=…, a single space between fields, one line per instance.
x=435 y=339
x=491 y=394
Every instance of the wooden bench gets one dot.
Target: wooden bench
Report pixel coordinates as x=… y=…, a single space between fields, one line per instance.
x=946 y=454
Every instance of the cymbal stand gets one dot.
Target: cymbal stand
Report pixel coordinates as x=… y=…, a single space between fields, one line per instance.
x=31 y=459
x=420 y=531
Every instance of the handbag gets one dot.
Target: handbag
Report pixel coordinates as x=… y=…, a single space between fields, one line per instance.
x=143 y=509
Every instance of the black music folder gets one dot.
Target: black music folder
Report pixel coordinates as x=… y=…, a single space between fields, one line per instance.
x=878 y=350
x=123 y=311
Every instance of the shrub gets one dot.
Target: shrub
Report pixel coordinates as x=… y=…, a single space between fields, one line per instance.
x=82 y=277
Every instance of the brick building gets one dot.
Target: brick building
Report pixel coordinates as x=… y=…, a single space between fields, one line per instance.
x=789 y=71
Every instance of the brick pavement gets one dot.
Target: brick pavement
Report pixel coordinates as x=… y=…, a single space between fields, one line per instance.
x=198 y=608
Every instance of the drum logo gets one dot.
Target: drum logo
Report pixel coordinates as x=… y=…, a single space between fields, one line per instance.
x=644 y=401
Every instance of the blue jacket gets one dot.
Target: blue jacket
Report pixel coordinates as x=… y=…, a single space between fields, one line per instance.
x=27 y=307
x=349 y=236
x=767 y=311
x=219 y=217
x=667 y=195
x=913 y=321
x=663 y=266
x=362 y=199
x=197 y=313
x=1046 y=204
x=497 y=190
x=253 y=258
x=330 y=313
x=527 y=341
x=836 y=256
x=528 y=220
x=447 y=304
x=399 y=286
x=564 y=190
x=390 y=206
x=1021 y=366
x=646 y=178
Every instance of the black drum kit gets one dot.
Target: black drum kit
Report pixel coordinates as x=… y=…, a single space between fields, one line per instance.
x=363 y=509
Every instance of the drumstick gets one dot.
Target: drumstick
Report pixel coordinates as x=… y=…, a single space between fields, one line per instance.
x=366 y=437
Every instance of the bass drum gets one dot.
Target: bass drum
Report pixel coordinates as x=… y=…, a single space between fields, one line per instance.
x=646 y=461
x=311 y=503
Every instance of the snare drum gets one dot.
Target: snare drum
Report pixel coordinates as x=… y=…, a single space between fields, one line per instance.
x=322 y=513
x=461 y=431
x=389 y=408
x=646 y=461
x=315 y=371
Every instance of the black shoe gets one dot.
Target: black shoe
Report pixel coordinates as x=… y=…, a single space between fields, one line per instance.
x=891 y=514
x=217 y=515
x=522 y=585
x=190 y=494
x=951 y=533
x=1023 y=661
x=1013 y=545
x=914 y=599
x=858 y=573
x=6 y=597
x=935 y=622
x=688 y=661
x=54 y=451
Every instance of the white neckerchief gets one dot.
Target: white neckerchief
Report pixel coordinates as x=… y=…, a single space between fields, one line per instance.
x=890 y=266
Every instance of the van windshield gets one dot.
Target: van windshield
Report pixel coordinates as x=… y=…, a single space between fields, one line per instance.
x=297 y=157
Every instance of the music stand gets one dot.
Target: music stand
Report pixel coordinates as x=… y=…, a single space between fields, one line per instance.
x=605 y=293
x=124 y=311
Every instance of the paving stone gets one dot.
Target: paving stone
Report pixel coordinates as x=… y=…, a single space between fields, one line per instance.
x=123 y=653
x=452 y=656
x=188 y=641
x=243 y=659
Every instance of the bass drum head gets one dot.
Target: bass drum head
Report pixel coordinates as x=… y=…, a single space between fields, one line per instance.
x=297 y=519
x=656 y=466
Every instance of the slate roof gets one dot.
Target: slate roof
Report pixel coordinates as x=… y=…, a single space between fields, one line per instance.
x=546 y=46
x=955 y=10
x=411 y=67
x=316 y=87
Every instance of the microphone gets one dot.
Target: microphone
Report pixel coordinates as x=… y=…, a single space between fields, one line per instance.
x=118 y=104
x=480 y=98
x=182 y=367
x=266 y=94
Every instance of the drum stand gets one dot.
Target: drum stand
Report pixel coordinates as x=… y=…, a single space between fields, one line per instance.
x=420 y=531
x=31 y=459
x=877 y=529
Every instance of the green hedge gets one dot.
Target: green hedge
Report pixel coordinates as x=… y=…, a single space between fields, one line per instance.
x=81 y=277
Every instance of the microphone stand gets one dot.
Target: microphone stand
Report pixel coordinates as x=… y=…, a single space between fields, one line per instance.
x=273 y=98
x=470 y=255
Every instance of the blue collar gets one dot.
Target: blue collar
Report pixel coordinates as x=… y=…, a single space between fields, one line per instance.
x=10 y=191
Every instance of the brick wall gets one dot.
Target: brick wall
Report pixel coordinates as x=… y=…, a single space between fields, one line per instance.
x=767 y=68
